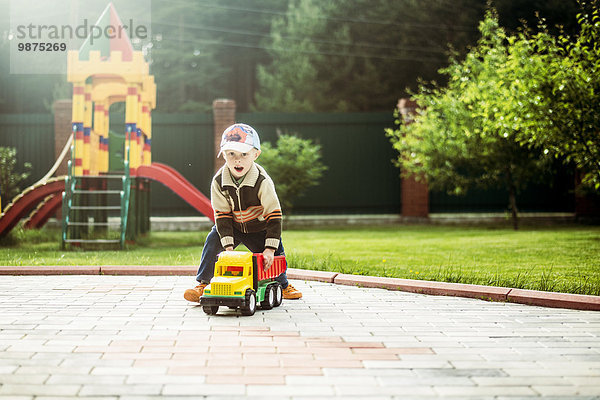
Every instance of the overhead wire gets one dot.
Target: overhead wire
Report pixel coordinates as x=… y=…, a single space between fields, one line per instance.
x=314 y=40
x=301 y=51
x=340 y=19
x=384 y=51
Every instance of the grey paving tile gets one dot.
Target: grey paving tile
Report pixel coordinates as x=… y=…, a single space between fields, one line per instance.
x=468 y=391
x=72 y=398
x=294 y=390
x=204 y=390
x=17 y=397
x=557 y=397
x=466 y=372
x=119 y=390
x=23 y=378
x=61 y=379
x=11 y=389
x=372 y=372
x=405 y=390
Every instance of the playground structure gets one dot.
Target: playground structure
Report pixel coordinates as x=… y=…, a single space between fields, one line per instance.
x=96 y=187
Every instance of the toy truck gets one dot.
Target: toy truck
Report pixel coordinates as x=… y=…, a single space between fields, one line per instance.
x=240 y=281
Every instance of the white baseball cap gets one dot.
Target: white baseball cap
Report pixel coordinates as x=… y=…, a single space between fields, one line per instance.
x=239 y=137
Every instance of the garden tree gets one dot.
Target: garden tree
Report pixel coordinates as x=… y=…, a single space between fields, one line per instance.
x=203 y=50
x=556 y=86
x=10 y=179
x=207 y=49
x=294 y=164
x=324 y=58
x=187 y=75
x=461 y=137
x=241 y=27
x=297 y=58
x=392 y=43
x=364 y=53
x=560 y=14
x=359 y=56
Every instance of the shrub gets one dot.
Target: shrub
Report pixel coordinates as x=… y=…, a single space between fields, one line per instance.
x=294 y=165
x=10 y=179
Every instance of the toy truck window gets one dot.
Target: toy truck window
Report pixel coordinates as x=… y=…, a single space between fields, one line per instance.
x=233 y=271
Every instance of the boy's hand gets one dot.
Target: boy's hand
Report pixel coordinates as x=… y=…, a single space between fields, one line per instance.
x=269 y=255
x=229 y=248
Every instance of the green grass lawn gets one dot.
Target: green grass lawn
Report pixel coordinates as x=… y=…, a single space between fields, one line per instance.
x=557 y=258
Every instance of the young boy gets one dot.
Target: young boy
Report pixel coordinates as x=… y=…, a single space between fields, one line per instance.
x=246 y=209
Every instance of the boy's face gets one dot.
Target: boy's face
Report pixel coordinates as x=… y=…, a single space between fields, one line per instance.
x=239 y=163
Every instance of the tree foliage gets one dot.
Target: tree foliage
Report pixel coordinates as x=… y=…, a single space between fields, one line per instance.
x=187 y=75
x=10 y=179
x=462 y=136
x=294 y=164
x=208 y=49
x=556 y=81
x=297 y=58
x=357 y=55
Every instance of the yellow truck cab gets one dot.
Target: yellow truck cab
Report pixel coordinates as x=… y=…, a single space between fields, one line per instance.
x=240 y=281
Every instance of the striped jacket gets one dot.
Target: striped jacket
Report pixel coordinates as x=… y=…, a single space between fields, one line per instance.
x=251 y=207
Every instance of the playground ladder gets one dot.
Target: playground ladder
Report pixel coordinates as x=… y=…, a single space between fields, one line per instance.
x=84 y=208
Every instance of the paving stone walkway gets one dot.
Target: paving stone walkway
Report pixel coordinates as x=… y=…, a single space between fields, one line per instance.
x=134 y=337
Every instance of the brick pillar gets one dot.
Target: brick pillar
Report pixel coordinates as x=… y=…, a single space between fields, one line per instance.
x=62 y=130
x=587 y=205
x=414 y=195
x=223 y=116
x=415 y=198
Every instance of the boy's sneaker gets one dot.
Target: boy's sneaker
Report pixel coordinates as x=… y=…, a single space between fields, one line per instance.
x=195 y=293
x=291 y=293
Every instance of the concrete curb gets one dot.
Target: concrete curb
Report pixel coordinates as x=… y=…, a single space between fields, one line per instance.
x=49 y=270
x=528 y=297
x=552 y=299
x=99 y=270
x=148 y=270
x=490 y=293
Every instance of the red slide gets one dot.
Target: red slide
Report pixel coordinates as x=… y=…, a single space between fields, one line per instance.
x=27 y=201
x=44 y=211
x=179 y=185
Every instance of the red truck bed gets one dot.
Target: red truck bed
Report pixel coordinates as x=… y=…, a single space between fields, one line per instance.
x=279 y=266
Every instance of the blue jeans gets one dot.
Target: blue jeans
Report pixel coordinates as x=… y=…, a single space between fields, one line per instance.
x=255 y=242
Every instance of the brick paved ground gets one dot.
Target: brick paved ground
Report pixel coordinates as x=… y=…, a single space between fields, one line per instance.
x=133 y=337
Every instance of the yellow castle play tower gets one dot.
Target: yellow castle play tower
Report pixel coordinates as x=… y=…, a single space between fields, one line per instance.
x=103 y=72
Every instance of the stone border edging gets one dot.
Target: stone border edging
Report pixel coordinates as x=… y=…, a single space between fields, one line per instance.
x=99 y=270
x=521 y=296
x=501 y=294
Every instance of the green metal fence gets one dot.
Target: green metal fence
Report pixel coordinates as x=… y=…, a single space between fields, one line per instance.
x=360 y=176
x=184 y=142
x=556 y=196
x=33 y=137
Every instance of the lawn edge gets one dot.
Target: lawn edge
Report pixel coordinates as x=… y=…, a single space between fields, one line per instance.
x=481 y=292
x=488 y=293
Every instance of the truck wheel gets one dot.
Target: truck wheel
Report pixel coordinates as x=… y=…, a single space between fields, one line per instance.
x=210 y=310
x=269 y=301
x=278 y=294
x=250 y=307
